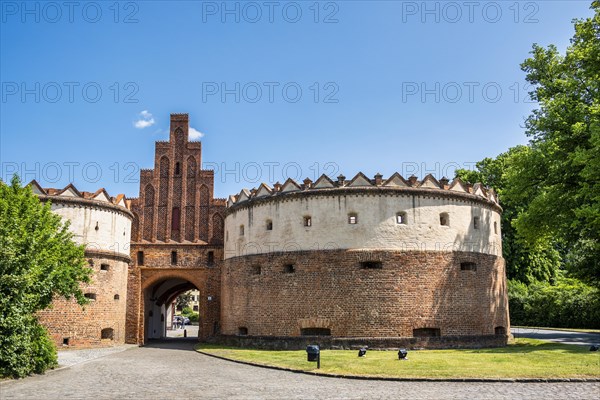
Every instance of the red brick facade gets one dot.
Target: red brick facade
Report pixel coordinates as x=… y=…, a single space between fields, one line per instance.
x=99 y=323
x=340 y=298
x=408 y=291
x=175 y=214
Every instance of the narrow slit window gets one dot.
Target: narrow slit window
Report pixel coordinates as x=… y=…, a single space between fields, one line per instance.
x=241 y=230
x=173 y=258
x=475 y=222
x=140 y=258
x=256 y=270
x=211 y=257
x=495 y=227
x=307 y=221
x=176 y=219
x=177 y=169
x=269 y=225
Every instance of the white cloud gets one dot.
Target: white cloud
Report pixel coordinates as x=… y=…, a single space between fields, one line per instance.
x=194 y=134
x=145 y=119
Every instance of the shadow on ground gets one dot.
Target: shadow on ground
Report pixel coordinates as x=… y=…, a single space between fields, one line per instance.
x=187 y=344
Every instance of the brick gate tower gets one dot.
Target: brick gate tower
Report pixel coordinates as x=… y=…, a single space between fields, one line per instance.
x=176 y=238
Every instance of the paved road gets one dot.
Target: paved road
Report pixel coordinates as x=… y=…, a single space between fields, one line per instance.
x=566 y=337
x=172 y=370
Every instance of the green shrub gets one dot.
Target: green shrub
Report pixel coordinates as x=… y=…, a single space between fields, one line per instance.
x=568 y=303
x=25 y=347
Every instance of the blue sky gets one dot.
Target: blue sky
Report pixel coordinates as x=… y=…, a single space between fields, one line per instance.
x=277 y=89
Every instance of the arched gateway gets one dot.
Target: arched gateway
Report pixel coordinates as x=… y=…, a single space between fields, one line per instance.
x=175 y=246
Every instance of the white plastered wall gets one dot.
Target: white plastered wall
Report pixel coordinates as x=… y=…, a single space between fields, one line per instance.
x=377 y=227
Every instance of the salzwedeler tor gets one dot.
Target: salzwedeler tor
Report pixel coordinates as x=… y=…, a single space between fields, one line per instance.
x=385 y=261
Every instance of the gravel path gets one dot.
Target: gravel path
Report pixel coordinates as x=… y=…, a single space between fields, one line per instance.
x=172 y=369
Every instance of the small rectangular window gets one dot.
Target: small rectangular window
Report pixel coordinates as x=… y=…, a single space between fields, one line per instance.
x=173 y=258
x=426 y=332
x=352 y=219
x=241 y=230
x=90 y=296
x=140 y=258
x=444 y=219
x=315 y=331
x=289 y=268
x=256 y=270
x=475 y=222
x=371 y=265
x=401 y=218
x=242 y=331
x=269 y=225
x=211 y=257
x=195 y=307
x=65 y=341
x=307 y=221
x=468 y=266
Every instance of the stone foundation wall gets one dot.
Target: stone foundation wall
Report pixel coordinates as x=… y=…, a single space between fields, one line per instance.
x=413 y=343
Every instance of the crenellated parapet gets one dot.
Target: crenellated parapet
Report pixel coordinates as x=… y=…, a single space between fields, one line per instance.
x=99 y=221
x=97 y=199
x=360 y=183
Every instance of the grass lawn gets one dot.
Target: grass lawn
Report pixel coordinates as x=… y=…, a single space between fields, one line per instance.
x=526 y=358
x=560 y=329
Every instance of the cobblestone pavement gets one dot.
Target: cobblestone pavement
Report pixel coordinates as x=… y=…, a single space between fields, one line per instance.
x=171 y=369
x=66 y=358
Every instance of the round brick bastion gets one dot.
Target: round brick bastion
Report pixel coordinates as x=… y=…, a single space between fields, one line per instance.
x=378 y=262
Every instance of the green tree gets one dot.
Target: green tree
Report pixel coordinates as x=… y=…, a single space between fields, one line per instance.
x=560 y=173
x=183 y=300
x=524 y=262
x=38 y=260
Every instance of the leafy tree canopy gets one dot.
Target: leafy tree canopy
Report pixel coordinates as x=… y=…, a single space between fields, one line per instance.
x=550 y=189
x=560 y=174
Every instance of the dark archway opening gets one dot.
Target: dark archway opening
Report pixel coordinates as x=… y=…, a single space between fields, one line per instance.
x=161 y=317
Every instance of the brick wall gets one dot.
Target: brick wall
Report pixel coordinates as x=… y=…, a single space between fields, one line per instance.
x=176 y=211
x=192 y=266
x=83 y=325
x=329 y=289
